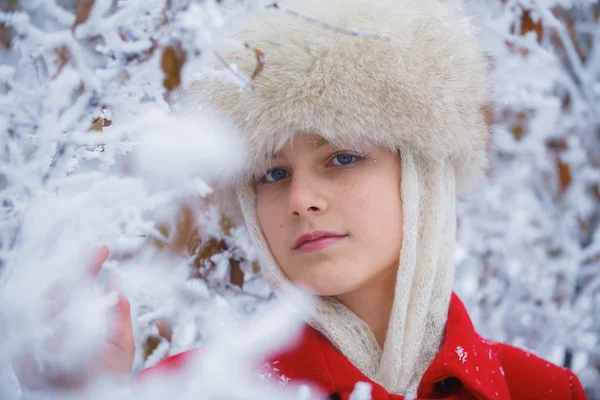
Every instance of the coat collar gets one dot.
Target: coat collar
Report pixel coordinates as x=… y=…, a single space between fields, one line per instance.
x=467 y=357
x=465 y=363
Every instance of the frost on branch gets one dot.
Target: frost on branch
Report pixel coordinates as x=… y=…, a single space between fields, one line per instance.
x=529 y=239
x=90 y=153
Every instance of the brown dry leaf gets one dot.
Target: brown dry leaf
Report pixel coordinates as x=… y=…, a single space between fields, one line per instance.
x=165 y=331
x=564 y=175
x=236 y=275
x=226 y=225
x=260 y=62
x=150 y=345
x=82 y=12
x=177 y=240
x=96 y=125
x=205 y=250
x=6 y=32
x=255 y=267
x=528 y=25
x=566 y=102
x=517 y=132
x=64 y=56
x=164 y=13
x=171 y=63
x=563 y=170
x=519 y=127
x=5 y=36
x=184 y=239
x=185 y=229
x=100 y=123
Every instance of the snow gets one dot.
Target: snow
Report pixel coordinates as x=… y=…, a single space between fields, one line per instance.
x=461 y=353
x=205 y=147
x=528 y=231
x=529 y=244
x=362 y=391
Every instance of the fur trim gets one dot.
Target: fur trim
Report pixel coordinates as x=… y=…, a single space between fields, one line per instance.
x=424 y=88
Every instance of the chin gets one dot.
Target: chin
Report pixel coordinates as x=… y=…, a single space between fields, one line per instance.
x=329 y=288
x=327 y=278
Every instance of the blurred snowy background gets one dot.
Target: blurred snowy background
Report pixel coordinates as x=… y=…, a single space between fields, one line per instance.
x=91 y=151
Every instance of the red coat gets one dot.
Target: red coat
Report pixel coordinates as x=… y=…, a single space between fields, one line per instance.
x=467 y=367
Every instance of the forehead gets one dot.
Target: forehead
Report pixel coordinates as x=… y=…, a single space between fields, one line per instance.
x=270 y=156
x=310 y=141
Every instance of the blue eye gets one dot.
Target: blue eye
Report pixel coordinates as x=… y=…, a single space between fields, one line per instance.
x=275 y=174
x=344 y=159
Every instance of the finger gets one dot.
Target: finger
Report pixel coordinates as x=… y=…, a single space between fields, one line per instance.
x=98 y=258
x=123 y=331
x=121 y=336
x=121 y=311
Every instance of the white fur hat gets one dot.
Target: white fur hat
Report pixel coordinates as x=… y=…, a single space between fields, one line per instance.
x=420 y=85
x=414 y=82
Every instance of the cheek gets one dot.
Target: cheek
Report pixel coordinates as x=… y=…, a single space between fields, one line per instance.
x=358 y=195
x=376 y=209
x=376 y=200
x=271 y=219
x=265 y=218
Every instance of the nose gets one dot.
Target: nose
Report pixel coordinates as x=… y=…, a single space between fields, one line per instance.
x=306 y=196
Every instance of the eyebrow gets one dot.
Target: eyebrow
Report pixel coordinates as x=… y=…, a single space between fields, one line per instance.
x=313 y=145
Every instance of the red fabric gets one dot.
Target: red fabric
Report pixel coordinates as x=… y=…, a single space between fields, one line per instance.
x=467 y=367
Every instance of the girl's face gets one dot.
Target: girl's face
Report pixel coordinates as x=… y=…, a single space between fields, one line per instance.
x=332 y=217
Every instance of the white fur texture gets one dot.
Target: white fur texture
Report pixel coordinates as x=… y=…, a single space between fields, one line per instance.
x=423 y=89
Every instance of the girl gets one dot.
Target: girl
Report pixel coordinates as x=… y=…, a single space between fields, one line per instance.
x=360 y=144
x=361 y=135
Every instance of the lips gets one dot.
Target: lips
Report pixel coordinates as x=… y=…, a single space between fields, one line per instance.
x=317 y=240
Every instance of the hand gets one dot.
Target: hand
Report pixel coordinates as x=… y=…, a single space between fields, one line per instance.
x=114 y=357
